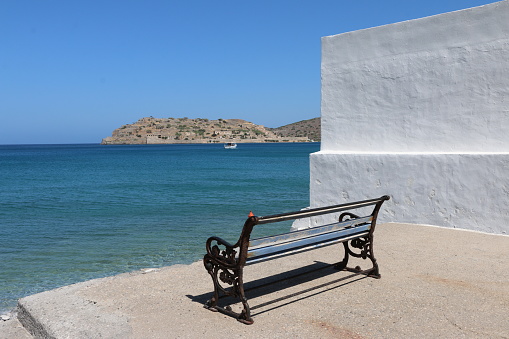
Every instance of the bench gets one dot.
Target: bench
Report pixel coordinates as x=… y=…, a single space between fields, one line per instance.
x=225 y=262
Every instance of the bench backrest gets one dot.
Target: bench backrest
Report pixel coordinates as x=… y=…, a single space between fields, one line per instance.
x=276 y=246
x=254 y=250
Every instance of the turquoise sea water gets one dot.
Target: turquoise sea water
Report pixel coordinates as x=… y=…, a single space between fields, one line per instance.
x=70 y=213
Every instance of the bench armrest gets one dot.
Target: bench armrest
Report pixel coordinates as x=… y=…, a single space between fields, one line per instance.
x=348 y=214
x=221 y=251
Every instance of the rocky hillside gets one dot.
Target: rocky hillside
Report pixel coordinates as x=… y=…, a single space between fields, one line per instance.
x=152 y=130
x=305 y=128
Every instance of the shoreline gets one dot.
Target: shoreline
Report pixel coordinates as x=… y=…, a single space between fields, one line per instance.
x=86 y=206
x=12 y=311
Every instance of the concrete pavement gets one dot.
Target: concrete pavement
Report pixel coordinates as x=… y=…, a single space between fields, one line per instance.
x=436 y=282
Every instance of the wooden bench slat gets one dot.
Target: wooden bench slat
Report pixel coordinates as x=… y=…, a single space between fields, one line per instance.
x=305 y=242
x=314 y=231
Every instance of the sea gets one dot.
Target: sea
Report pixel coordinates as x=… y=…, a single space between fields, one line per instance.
x=70 y=213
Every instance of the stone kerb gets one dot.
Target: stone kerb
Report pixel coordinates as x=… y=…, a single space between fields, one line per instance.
x=419 y=110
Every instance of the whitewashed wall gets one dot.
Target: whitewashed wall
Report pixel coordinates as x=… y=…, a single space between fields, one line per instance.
x=419 y=110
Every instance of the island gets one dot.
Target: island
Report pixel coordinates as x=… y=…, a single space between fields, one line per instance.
x=150 y=130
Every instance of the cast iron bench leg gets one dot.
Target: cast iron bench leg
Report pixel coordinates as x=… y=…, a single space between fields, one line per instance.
x=231 y=277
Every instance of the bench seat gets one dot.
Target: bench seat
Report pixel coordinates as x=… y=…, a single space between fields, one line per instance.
x=277 y=246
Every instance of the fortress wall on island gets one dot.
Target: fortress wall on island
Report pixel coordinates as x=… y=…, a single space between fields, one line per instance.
x=419 y=110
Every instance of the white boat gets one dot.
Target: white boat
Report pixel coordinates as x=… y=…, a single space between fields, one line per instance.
x=230 y=145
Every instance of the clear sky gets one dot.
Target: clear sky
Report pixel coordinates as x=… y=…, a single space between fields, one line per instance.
x=73 y=71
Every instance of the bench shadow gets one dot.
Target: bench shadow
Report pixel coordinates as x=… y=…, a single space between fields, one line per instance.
x=284 y=280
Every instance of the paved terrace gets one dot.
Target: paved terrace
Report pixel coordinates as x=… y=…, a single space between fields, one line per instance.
x=436 y=282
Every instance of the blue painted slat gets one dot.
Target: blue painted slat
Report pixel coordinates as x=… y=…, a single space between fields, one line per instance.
x=310 y=232
x=335 y=236
x=276 y=255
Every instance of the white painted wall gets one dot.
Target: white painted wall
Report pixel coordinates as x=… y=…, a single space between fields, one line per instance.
x=454 y=190
x=436 y=84
x=419 y=110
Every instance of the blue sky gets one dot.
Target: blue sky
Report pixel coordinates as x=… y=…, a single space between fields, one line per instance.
x=72 y=71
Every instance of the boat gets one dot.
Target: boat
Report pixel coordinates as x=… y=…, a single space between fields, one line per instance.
x=230 y=145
